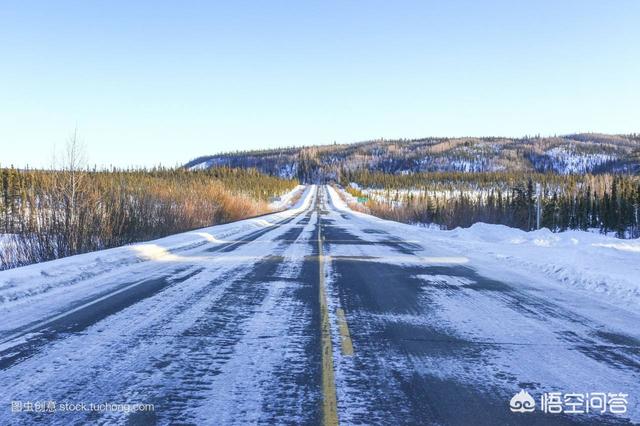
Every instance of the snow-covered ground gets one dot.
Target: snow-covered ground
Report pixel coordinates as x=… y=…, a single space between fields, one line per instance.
x=286 y=200
x=397 y=196
x=568 y=161
x=4 y=240
x=605 y=267
x=6 y=246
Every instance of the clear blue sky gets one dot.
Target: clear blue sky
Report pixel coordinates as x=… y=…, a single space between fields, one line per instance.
x=163 y=82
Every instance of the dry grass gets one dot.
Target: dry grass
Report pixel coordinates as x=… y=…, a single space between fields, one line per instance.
x=47 y=221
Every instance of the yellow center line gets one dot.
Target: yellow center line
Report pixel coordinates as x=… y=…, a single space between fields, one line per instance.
x=329 y=399
x=345 y=337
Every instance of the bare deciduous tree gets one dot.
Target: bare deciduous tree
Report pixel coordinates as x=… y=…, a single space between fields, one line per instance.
x=71 y=176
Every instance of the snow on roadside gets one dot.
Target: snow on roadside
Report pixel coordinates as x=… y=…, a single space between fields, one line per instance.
x=604 y=266
x=284 y=201
x=4 y=241
x=601 y=266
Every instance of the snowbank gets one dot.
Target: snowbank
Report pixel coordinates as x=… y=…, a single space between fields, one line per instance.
x=285 y=200
x=605 y=266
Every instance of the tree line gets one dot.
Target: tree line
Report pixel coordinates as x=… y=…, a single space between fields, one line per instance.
x=48 y=214
x=609 y=203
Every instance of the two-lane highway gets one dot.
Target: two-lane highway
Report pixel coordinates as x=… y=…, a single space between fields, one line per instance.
x=326 y=317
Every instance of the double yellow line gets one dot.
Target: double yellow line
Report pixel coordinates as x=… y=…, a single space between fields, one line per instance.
x=329 y=399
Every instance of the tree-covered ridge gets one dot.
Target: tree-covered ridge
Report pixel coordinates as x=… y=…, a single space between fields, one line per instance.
x=52 y=214
x=571 y=154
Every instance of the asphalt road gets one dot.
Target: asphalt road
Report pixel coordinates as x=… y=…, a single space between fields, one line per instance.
x=326 y=317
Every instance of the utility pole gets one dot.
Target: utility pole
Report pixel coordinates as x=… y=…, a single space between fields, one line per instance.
x=538 y=205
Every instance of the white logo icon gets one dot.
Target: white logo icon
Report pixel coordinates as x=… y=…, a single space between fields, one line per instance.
x=522 y=402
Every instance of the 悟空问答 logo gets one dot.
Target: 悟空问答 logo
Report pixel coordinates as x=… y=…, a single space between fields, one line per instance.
x=522 y=402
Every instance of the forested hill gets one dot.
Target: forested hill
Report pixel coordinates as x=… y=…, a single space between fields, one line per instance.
x=571 y=154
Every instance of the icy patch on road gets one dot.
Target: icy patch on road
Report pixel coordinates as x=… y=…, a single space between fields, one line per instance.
x=446 y=279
